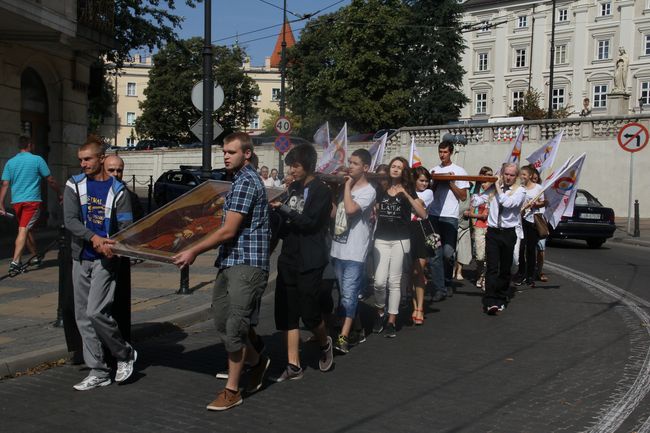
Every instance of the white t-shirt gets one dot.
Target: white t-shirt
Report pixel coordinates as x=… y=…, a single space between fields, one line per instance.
x=427 y=197
x=445 y=203
x=268 y=181
x=531 y=194
x=353 y=243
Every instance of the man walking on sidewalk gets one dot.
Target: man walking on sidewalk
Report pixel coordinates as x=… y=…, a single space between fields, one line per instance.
x=243 y=263
x=24 y=173
x=96 y=206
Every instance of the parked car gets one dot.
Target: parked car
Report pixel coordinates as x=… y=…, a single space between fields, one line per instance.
x=174 y=183
x=154 y=144
x=591 y=221
x=381 y=132
x=269 y=140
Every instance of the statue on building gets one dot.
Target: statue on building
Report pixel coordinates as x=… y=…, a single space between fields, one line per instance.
x=586 y=108
x=620 y=73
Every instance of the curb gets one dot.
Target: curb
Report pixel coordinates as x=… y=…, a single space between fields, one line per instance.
x=139 y=332
x=632 y=241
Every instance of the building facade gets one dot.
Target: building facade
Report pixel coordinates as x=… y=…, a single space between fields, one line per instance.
x=509 y=51
x=47 y=48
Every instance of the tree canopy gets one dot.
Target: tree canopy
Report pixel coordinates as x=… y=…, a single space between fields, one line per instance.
x=377 y=64
x=167 y=111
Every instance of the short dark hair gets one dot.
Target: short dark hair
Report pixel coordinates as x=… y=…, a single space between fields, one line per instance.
x=303 y=154
x=244 y=140
x=254 y=161
x=363 y=155
x=421 y=171
x=382 y=168
x=95 y=143
x=447 y=145
x=23 y=142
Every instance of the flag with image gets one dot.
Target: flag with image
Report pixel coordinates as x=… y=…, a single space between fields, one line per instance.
x=335 y=154
x=514 y=156
x=544 y=157
x=322 y=136
x=560 y=194
x=551 y=177
x=377 y=152
x=414 y=156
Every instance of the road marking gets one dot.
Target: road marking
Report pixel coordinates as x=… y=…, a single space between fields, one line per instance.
x=619 y=410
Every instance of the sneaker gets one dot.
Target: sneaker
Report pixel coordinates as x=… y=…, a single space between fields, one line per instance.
x=125 y=368
x=256 y=378
x=36 y=262
x=361 y=336
x=225 y=400
x=493 y=310
x=438 y=296
x=223 y=375
x=390 y=332
x=15 y=268
x=326 y=356
x=289 y=373
x=91 y=382
x=379 y=324
x=342 y=345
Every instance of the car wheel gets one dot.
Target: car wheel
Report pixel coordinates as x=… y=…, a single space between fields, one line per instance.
x=595 y=243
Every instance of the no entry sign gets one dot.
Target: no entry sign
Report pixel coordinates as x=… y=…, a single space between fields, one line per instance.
x=633 y=137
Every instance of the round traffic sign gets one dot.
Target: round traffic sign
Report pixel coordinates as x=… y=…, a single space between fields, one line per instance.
x=217 y=96
x=633 y=137
x=282 y=125
x=282 y=144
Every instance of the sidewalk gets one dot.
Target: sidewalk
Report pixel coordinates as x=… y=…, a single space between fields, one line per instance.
x=28 y=304
x=621 y=234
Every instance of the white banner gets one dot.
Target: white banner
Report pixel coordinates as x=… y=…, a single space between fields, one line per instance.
x=544 y=157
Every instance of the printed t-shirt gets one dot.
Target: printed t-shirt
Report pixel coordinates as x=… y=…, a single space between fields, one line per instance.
x=353 y=243
x=445 y=203
x=97 y=193
x=393 y=216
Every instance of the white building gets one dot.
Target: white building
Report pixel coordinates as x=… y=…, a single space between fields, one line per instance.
x=511 y=50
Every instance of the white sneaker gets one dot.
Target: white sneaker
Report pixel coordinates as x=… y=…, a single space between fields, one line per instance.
x=91 y=382
x=125 y=368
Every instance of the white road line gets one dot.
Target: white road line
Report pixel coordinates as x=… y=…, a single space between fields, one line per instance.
x=617 y=413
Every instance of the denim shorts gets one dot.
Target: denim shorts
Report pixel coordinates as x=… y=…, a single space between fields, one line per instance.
x=351 y=277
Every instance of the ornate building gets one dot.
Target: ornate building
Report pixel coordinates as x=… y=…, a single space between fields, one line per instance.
x=509 y=51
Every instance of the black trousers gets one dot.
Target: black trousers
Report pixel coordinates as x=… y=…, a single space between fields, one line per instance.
x=499 y=247
x=528 y=250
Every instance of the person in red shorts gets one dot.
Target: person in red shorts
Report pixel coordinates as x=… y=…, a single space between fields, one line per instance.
x=24 y=173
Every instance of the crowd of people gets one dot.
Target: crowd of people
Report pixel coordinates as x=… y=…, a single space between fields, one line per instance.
x=400 y=231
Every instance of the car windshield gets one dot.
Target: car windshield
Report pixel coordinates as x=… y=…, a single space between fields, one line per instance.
x=583 y=198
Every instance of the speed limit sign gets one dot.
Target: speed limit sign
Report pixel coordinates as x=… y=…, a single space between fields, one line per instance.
x=282 y=125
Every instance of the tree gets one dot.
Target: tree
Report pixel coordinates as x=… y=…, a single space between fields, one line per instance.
x=434 y=61
x=167 y=112
x=269 y=123
x=529 y=108
x=349 y=66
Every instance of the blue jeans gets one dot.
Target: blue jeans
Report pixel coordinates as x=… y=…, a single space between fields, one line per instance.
x=350 y=276
x=441 y=265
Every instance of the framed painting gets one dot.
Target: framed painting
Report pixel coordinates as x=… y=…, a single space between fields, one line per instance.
x=179 y=224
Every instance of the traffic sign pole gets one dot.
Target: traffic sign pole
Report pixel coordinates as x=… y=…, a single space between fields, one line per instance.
x=632 y=138
x=629 y=195
x=208 y=131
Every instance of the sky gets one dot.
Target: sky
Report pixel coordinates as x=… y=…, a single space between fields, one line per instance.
x=232 y=17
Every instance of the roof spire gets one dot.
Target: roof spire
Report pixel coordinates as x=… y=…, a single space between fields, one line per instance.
x=290 y=40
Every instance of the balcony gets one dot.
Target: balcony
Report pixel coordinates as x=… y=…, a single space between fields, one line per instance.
x=96 y=21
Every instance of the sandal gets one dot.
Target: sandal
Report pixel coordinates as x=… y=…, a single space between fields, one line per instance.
x=543 y=278
x=418 y=320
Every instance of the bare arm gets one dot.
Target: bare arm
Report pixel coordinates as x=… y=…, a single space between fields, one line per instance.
x=55 y=186
x=351 y=206
x=225 y=233
x=3 y=194
x=460 y=193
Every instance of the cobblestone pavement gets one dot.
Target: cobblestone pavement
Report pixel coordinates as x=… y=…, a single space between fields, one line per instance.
x=553 y=362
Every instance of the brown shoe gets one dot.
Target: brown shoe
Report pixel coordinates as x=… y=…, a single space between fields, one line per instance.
x=543 y=278
x=225 y=400
x=256 y=375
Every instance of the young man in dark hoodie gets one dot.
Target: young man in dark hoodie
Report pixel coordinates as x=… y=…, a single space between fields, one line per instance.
x=302 y=260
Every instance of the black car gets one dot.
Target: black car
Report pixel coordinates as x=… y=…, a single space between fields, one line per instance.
x=154 y=144
x=591 y=221
x=174 y=183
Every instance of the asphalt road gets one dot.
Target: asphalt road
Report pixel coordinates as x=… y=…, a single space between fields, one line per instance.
x=567 y=356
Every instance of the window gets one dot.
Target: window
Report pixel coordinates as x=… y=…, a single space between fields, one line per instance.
x=255 y=122
x=483 y=61
x=485 y=26
x=646 y=45
x=522 y=22
x=518 y=97
x=130 y=118
x=645 y=92
x=600 y=96
x=130 y=89
x=481 y=103
x=560 y=54
x=605 y=9
x=143 y=58
x=130 y=141
x=603 y=49
x=275 y=95
x=562 y=15
x=557 y=100
x=520 y=58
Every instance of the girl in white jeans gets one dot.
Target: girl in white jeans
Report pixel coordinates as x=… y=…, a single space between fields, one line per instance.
x=392 y=241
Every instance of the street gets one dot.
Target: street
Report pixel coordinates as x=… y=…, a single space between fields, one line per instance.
x=565 y=356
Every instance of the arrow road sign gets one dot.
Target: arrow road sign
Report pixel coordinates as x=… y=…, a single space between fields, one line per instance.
x=197 y=129
x=633 y=137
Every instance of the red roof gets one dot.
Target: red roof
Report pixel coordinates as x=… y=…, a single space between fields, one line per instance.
x=277 y=51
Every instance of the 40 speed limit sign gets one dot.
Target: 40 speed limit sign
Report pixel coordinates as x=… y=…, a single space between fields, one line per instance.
x=282 y=125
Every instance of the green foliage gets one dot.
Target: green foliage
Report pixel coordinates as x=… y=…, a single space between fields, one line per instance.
x=100 y=101
x=168 y=113
x=530 y=109
x=143 y=23
x=269 y=122
x=377 y=64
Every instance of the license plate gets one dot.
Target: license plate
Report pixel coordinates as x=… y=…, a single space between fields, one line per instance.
x=590 y=216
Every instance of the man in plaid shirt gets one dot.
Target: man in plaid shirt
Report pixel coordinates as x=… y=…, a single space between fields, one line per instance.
x=243 y=264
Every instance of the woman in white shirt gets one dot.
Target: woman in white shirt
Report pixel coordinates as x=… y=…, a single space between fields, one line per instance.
x=528 y=245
